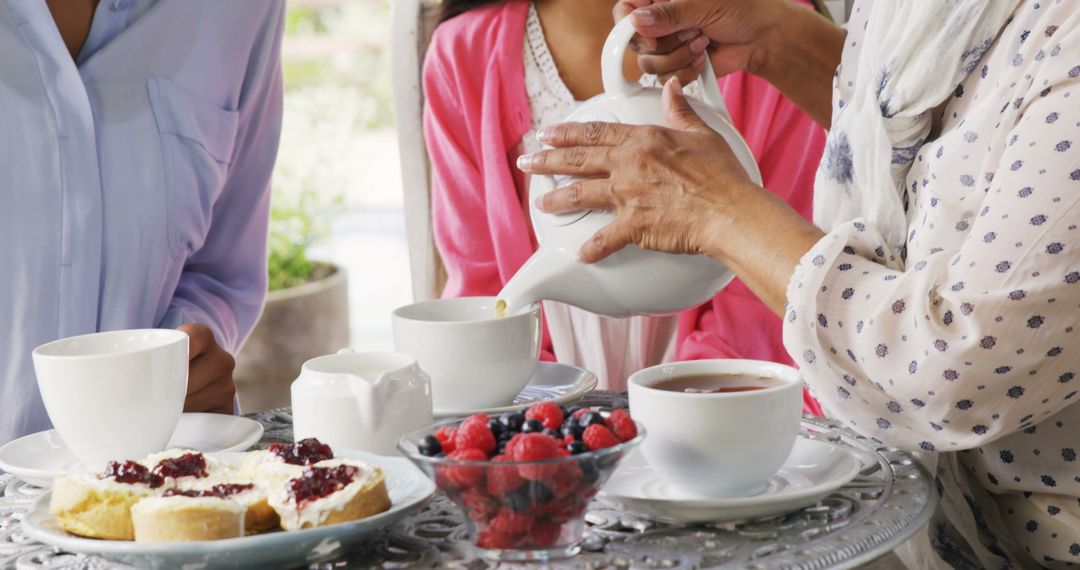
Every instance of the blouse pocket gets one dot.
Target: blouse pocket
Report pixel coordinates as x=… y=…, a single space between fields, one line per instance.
x=197 y=139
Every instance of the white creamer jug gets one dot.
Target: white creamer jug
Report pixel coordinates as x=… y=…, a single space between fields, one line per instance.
x=361 y=400
x=632 y=280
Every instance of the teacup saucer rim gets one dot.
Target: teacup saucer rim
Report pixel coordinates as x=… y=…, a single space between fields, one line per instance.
x=43 y=477
x=586 y=383
x=854 y=466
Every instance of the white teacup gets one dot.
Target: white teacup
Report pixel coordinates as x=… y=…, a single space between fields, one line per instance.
x=475 y=359
x=361 y=400
x=718 y=444
x=114 y=395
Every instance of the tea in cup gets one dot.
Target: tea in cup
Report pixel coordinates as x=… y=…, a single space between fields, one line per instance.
x=717 y=428
x=475 y=358
x=114 y=395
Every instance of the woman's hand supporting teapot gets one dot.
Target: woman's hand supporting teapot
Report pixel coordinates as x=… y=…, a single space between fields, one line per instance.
x=679 y=190
x=790 y=46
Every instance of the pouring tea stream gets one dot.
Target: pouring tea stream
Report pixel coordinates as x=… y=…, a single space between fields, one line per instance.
x=632 y=280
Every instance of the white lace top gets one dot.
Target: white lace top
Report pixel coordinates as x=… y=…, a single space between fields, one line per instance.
x=613 y=349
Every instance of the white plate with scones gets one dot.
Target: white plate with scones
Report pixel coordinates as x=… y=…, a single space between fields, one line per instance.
x=292 y=506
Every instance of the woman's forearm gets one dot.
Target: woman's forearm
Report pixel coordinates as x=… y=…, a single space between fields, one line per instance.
x=799 y=55
x=760 y=238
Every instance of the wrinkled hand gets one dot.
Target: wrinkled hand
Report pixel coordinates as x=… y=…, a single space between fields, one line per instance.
x=667 y=186
x=683 y=51
x=732 y=32
x=210 y=367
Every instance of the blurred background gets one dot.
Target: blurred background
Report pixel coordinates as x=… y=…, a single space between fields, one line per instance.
x=337 y=192
x=339 y=260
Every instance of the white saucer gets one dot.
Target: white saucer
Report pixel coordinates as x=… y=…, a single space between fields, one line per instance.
x=813 y=471
x=39 y=457
x=408 y=487
x=554 y=382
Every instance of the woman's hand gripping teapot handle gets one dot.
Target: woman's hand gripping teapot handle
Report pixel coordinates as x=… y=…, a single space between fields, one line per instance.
x=787 y=44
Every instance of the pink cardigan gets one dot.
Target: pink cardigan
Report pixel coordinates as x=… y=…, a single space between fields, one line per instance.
x=477 y=112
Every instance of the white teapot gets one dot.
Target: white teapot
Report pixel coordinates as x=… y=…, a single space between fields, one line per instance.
x=632 y=280
x=361 y=400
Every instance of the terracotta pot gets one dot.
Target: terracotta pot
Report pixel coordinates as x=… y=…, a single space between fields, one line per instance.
x=298 y=323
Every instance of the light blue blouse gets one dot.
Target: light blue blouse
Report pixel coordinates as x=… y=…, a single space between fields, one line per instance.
x=134 y=183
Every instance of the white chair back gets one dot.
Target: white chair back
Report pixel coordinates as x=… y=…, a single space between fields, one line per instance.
x=413 y=22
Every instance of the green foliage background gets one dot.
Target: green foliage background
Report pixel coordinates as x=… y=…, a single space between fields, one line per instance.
x=336 y=69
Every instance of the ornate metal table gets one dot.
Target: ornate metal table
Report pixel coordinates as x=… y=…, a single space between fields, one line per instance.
x=890 y=499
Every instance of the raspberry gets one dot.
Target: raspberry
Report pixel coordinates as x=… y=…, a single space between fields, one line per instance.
x=490 y=538
x=621 y=425
x=543 y=534
x=476 y=418
x=478 y=506
x=580 y=413
x=599 y=437
x=475 y=435
x=564 y=510
x=563 y=487
x=510 y=522
x=445 y=435
x=502 y=479
x=508 y=450
x=547 y=413
x=465 y=475
x=537 y=447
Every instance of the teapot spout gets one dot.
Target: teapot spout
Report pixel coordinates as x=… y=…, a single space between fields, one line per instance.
x=545 y=275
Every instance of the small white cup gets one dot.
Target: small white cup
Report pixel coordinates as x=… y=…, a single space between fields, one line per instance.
x=114 y=395
x=720 y=444
x=475 y=359
x=361 y=400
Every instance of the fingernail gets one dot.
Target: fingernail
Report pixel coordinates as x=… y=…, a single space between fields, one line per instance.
x=686 y=35
x=538 y=203
x=644 y=17
x=543 y=135
x=699 y=45
x=596 y=243
x=526 y=161
x=674 y=82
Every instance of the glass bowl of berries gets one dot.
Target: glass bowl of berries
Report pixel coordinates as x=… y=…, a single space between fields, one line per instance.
x=524 y=479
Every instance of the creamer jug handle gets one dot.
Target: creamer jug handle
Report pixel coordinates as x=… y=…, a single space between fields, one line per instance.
x=615 y=83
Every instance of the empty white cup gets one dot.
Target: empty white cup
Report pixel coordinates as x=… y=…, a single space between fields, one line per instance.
x=114 y=395
x=718 y=444
x=475 y=359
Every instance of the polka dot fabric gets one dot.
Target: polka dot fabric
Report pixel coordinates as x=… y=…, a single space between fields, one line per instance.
x=968 y=339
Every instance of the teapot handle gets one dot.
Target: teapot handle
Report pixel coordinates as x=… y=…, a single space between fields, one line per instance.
x=615 y=83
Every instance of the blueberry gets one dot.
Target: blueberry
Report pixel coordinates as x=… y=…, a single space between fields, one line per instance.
x=589 y=471
x=532 y=426
x=573 y=428
x=608 y=461
x=496 y=427
x=505 y=436
x=592 y=418
x=518 y=500
x=577 y=447
x=539 y=492
x=570 y=411
x=429 y=446
x=512 y=420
